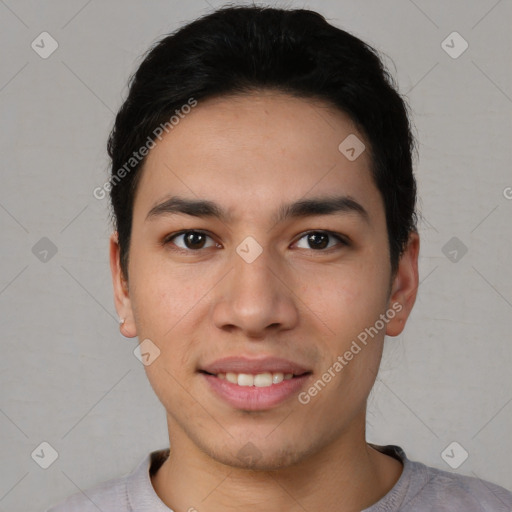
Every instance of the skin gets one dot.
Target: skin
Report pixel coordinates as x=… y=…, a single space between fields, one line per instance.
x=251 y=154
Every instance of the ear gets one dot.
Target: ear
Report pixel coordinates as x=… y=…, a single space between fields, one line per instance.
x=121 y=292
x=405 y=286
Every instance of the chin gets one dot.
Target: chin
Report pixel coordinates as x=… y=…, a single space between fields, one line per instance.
x=257 y=456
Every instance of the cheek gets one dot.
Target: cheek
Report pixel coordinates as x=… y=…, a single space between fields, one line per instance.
x=166 y=307
x=170 y=302
x=347 y=298
x=163 y=295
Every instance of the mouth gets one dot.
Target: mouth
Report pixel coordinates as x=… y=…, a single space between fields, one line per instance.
x=254 y=383
x=262 y=391
x=259 y=380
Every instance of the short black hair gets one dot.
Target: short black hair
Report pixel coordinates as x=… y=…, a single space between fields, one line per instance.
x=242 y=49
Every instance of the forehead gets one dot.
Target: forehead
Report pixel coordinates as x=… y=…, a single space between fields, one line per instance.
x=252 y=151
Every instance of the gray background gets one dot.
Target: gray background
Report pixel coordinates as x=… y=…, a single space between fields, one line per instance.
x=69 y=378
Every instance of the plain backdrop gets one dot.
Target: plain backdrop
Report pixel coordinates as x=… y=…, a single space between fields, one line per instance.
x=68 y=378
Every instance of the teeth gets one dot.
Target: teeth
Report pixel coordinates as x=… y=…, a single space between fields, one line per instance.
x=261 y=380
x=245 y=379
x=277 y=378
x=231 y=377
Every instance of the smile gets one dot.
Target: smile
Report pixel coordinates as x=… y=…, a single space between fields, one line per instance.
x=260 y=380
x=262 y=391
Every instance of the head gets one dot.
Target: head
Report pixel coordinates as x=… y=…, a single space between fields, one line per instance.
x=264 y=206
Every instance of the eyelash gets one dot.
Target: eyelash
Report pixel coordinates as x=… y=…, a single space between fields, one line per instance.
x=340 y=238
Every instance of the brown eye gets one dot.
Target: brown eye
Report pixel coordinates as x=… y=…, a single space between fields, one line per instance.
x=318 y=240
x=191 y=240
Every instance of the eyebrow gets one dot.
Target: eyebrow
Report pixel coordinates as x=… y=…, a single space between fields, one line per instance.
x=301 y=208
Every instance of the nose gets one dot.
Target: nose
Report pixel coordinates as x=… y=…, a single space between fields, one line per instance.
x=256 y=298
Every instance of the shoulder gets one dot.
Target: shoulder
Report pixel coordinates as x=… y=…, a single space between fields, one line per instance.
x=108 y=496
x=130 y=492
x=442 y=491
x=117 y=494
x=422 y=488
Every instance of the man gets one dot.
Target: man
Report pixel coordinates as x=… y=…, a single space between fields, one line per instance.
x=265 y=244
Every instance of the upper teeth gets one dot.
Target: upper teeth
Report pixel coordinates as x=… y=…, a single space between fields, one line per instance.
x=260 y=380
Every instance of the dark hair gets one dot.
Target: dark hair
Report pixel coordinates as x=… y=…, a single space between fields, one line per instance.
x=236 y=50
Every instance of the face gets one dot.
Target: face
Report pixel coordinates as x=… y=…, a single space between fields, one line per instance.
x=259 y=248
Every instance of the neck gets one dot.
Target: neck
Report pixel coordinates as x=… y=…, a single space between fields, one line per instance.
x=346 y=475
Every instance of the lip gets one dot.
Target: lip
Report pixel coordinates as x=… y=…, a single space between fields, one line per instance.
x=253 y=398
x=254 y=366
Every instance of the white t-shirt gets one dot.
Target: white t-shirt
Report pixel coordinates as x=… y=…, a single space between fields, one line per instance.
x=419 y=489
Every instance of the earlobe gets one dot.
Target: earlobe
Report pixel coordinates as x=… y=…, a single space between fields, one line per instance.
x=121 y=292
x=405 y=286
